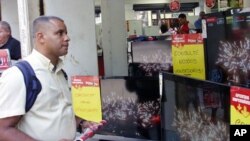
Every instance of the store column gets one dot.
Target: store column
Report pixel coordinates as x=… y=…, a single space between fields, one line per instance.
x=79 y=17
x=114 y=37
x=246 y=3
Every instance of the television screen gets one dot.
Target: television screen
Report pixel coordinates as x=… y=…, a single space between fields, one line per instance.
x=150 y=57
x=194 y=109
x=216 y=32
x=131 y=106
x=233 y=56
x=158 y=51
x=228 y=55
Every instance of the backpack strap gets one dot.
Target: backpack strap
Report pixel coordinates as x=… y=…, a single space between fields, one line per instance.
x=33 y=85
x=65 y=74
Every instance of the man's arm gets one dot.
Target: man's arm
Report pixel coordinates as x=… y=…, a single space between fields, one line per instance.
x=9 y=132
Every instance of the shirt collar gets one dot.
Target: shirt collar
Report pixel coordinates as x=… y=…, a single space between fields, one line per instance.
x=47 y=63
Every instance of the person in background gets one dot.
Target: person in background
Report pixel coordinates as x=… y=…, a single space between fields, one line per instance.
x=163 y=28
x=8 y=42
x=184 y=28
x=165 y=32
x=51 y=118
x=198 y=22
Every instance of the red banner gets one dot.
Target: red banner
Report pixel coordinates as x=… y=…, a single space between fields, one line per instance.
x=186 y=39
x=83 y=81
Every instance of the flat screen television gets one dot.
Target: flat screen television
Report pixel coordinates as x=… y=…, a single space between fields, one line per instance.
x=150 y=57
x=194 y=109
x=233 y=55
x=131 y=106
x=158 y=51
x=228 y=47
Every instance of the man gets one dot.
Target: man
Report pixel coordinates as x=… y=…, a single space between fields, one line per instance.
x=197 y=23
x=51 y=118
x=184 y=28
x=8 y=42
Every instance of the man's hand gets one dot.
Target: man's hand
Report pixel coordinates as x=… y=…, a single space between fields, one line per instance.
x=94 y=126
x=89 y=128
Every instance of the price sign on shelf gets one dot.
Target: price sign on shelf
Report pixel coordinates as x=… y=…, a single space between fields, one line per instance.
x=86 y=97
x=240 y=106
x=188 y=55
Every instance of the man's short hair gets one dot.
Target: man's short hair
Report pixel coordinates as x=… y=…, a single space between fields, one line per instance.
x=183 y=16
x=41 y=20
x=164 y=28
x=5 y=25
x=201 y=14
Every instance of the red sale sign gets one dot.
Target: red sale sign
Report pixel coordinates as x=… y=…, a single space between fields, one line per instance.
x=240 y=105
x=210 y=3
x=174 y=5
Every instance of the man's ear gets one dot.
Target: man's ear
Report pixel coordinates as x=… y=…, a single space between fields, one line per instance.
x=39 y=37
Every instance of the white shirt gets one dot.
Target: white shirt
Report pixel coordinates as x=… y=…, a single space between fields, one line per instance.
x=51 y=118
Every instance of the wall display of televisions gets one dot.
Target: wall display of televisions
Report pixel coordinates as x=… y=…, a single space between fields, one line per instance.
x=169 y=107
